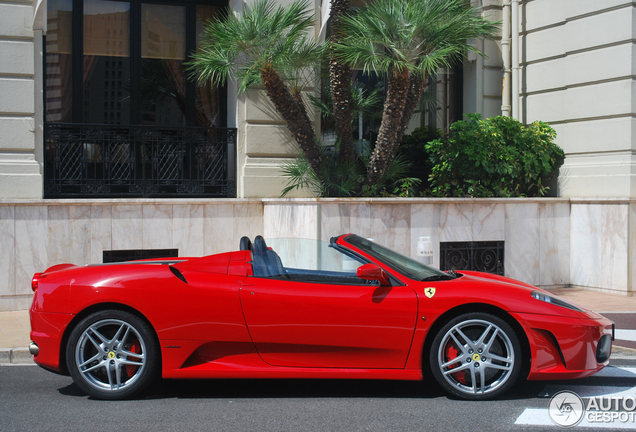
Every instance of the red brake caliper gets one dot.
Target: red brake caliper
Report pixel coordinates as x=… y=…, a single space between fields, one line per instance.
x=131 y=369
x=451 y=353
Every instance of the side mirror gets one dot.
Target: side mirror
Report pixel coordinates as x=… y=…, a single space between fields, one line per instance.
x=373 y=272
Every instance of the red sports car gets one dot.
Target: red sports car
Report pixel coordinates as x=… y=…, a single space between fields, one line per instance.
x=350 y=308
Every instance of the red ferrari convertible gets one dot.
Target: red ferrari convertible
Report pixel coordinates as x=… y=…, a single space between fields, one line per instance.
x=350 y=308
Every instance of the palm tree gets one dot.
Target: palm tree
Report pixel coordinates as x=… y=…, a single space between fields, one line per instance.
x=269 y=46
x=340 y=84
x=407 y=40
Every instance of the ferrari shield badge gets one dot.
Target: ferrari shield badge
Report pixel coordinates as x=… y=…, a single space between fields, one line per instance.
x=430 y=292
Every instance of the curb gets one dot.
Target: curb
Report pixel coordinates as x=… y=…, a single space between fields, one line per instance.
x=15 y=356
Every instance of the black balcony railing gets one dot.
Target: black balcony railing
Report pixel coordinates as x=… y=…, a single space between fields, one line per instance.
x=484 y=256
x=90 y=161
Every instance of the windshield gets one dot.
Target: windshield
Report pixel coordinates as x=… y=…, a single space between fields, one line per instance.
x=398 y=262
x=307 y=254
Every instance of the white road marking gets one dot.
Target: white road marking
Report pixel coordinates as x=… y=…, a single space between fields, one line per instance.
x=541 y=416
x=629 y=335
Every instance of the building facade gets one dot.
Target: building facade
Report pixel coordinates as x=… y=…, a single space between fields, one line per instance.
x=569 y=63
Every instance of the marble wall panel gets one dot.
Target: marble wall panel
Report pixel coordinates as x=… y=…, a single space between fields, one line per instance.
x=296 y=222
x=218 y=229
x=69 y=234
x=59 y=236
x=522 y=260
x=80 y=234
x=290 y=220
x=335 y=219
x=31 y=246
x=7 y=246
x=360 y=220
x=554 y=244
x=456 y=222
x=391 y=226
x=425 y=222
x=248 y=221
x=16 y=302
x=158 y=229
x=127 y=229
x=488 y=222
x=586 y=247
x=101 y=229
x=188 y=230
x=614 y=247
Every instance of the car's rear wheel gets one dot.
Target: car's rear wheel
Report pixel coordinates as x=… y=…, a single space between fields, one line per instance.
x=112 y=354
x=476 y=356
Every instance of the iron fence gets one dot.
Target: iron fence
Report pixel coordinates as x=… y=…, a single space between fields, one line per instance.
x=89 y=161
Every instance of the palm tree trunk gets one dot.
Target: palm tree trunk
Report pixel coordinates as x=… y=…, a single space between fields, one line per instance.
x=340 y=84
x=295 y=114
x=387 y=141
x=416 y=87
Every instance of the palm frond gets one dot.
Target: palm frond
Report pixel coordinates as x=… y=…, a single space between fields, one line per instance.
x=263 y=35
x=418 y=35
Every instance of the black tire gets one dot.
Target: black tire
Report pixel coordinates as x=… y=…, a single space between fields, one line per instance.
x=112 y=354
x=488 y=355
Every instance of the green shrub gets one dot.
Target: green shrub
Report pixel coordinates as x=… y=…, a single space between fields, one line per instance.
x=496 y=157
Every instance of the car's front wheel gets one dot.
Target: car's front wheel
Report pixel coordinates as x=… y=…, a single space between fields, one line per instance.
x=476 y=356
x=112 y=354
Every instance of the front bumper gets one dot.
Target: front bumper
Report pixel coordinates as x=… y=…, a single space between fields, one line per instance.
x=563 y=347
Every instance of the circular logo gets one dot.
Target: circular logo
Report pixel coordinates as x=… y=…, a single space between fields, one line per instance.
x=111 y=354
x=476 y=357
x=566 y=409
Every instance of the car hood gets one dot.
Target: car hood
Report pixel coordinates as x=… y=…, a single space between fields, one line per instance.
x=510 y=294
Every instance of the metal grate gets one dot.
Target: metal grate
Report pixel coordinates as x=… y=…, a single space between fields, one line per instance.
x=484 y=256
x=88 y=161
x=112 y=256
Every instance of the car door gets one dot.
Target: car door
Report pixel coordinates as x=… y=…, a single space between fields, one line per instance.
x=327 y=325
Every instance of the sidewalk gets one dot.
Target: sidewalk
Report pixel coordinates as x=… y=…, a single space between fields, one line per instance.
x=597 y=301
x=14 y=337
x=15 y=327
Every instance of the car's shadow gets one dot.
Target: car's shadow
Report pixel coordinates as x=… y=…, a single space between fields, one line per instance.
x=302 y=388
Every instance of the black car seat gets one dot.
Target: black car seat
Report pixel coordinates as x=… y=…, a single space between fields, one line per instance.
x=245 y=243
x=259 y=249
x=265 y=262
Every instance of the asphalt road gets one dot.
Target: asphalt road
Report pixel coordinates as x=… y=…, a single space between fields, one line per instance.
x=36 y=400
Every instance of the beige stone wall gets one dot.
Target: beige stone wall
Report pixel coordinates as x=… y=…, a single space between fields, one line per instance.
x=578 y=75
x=265 y=144
x=550 y=242
x=20 y=173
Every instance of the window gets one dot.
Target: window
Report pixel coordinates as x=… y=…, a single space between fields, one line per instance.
x=123 y=116
x=137 y=50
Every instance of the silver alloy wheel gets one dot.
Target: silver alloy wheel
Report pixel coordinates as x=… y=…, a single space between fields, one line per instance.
x=110 y=355
x=476 y=357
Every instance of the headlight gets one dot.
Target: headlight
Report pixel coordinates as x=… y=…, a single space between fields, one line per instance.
x=555 y=301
